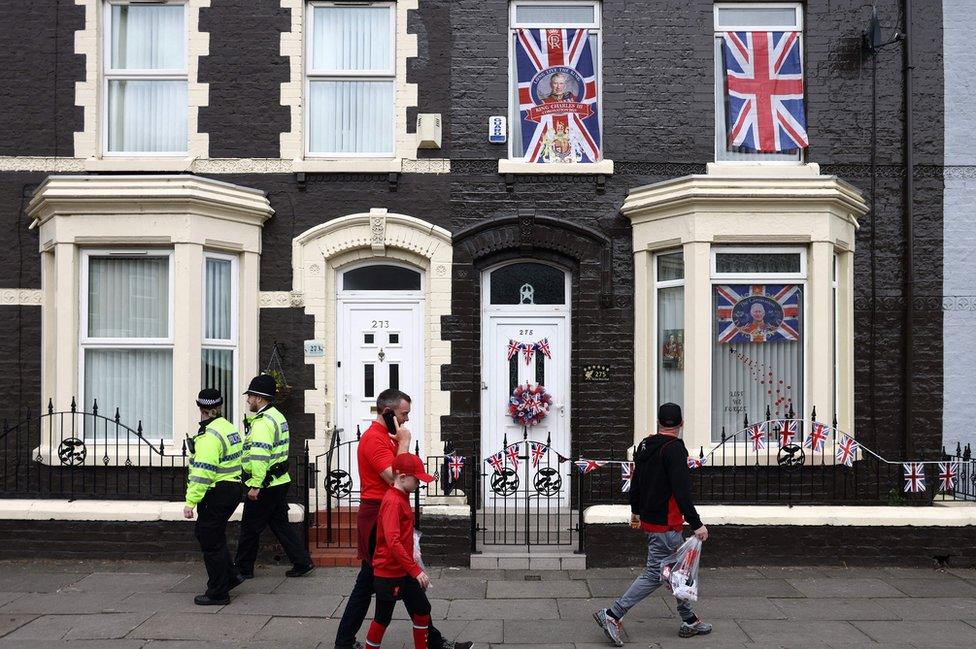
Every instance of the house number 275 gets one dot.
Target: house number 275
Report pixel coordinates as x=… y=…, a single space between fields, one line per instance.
x=525 y=332
x=381 y=324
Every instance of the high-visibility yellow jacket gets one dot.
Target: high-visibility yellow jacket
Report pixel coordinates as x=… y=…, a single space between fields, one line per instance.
x=215 y=456
x=266 y=449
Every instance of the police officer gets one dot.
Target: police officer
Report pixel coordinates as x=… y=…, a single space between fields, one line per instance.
x=266 y=481
x=214 y=485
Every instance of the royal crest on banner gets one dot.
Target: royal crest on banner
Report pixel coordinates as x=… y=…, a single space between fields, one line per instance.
x=557 y=89
x=757 y=313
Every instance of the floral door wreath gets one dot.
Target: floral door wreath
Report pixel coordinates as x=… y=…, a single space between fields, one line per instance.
x=529 y=404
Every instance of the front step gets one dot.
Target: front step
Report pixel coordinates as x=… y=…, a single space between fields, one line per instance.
x=539 y=557
x=333 y=557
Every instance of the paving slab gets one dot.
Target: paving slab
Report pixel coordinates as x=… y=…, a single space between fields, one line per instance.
x=791 y=572
x=289 y=629
x=80 y=627
x=948 y=586
x=775 y=633
x=541 y=589
x=35 y=582
x=746 y=588
x=196 y=584
x=537 y=575
x=931 y=608
x=574 y=609
x=126 y=582
x=438 y=610
x=340 y=586
x=844 y=572
x=6 y=598
x=10 y=623
x=611 y=588
x=163 y=603
x=208 y=644
x=918 y=573
x=63 y=603
x=844 y=587
x=820 y=608
x=457 y=588
x=509 y=609
x=284 y=604
x=606 y=573
x=920 y=633
x=74 y=644
x=732 y=608
x=640 y=631
x=185 y=626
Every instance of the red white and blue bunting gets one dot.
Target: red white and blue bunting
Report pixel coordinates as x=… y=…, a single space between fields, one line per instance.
x=529 y=349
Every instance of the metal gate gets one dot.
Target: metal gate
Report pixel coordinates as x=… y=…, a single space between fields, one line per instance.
x=526 y=495
x=335 y=497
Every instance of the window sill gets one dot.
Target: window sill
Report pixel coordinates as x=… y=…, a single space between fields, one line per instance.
x=604 y=167
x=124 y=162
x=348 y=165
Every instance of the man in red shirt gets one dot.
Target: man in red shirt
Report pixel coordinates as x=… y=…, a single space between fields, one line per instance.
x=378 y=448
x=397 y=573
x=660 y=503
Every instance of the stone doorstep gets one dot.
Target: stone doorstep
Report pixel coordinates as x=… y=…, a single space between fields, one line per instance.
x=109 y=510
x=517 y=558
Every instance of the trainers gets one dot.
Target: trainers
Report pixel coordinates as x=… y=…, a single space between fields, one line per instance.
x=611 y=627
x=448 y=644
x=688 y=630
x=300 y=571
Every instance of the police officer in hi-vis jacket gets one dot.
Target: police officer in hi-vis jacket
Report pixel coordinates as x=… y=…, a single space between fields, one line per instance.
x=266 y=481
x=213 y=486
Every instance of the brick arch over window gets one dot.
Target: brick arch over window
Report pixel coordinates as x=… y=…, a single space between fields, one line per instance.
x=584 y=251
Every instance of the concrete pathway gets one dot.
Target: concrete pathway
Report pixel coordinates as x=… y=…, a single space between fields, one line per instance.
x=127 y=605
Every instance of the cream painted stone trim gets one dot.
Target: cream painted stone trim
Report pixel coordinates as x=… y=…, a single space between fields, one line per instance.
x=317 y=256
x=88 y=95
x=939 y=515
x=744 y=204
x=20 y=297
x=110 y=510
x=506 y=166
x=214 y=165
x=293 y=95
x=280 y=299
x=188 y=214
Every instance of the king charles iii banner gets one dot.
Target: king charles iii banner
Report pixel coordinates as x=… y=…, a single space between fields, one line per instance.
x=558 y=108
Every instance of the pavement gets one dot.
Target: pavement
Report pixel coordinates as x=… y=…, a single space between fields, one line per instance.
x=143 y=605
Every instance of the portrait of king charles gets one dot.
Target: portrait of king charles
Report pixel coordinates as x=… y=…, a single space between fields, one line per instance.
x=561 y=89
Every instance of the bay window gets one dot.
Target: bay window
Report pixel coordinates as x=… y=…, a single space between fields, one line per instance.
x=350 y=79
x=145 y=77
x=670 y=274
x=219 y=349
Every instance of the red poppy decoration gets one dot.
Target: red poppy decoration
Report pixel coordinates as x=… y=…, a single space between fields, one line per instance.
x=529 y=404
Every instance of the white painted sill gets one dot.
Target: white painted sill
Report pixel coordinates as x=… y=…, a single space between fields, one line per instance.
x=604 y=167
x=110 y=510
x=352 y=164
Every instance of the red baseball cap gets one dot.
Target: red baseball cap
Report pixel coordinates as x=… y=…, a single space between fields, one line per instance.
x=410 y=464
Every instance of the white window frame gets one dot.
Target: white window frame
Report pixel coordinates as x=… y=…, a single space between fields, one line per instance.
x=86 y=342
x=540 y=309
x=311 y=75
x=418 y=294
x=655 y=347
x=109 y=74
x=800 y=278
x=231 y=343
x=722 y=154
x=596 y=27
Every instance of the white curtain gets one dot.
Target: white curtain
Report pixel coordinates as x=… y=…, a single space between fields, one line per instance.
x=128 y=297
x=137 y=381
x=217 y=316
x=217 y=371
x=351 y=117
x=147 y=116
x=351 y=38
x=146 y=37
x=670 y=344
x=757 y=375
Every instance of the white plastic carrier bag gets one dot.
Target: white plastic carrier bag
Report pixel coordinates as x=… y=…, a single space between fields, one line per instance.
x=680 y=570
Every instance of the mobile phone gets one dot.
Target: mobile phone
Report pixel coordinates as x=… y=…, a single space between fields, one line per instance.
x=390 y=420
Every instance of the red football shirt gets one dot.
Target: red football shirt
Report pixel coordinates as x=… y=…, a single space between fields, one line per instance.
x=394 y=537
x=375 y=454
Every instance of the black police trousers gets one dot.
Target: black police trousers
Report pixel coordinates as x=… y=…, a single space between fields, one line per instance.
x=213 y=512
x=269 y=510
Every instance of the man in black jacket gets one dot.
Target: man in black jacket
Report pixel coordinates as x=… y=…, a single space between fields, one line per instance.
x=660 y=503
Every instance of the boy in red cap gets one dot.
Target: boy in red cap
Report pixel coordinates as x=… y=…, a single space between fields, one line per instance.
x=397 y=574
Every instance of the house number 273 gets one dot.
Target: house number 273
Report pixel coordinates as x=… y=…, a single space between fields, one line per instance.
x=381 y=324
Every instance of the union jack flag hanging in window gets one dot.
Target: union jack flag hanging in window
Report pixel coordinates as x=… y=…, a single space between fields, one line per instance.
x=757 y=313
x=765 y=111
x=558 y=96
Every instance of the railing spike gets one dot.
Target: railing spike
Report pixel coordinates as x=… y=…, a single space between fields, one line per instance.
x=792 y=413
x=967 y=454
x=139 y=429
x=525 y=433
x=549 y=439
x=162 y=449
x=701 y=452
x=95 y=407
x=74 y=406
x=416 y=447
x=813 y=414
x=835 y=421
x=359 y=433
x=184 y=447
x=118 y=417
x=767 y=413
x=50 y=406
x=723 y=435
x=745 y=419
x=505 y=440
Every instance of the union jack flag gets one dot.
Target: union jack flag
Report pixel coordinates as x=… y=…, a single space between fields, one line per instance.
x=497 y=462
x=818 y=437
x=914 y=477
x=527 y=350
x=585 y=466
x=513 y=348
x=547 y=116
x=947 y=475
x=513 y=455
x=787 y=431
x=846 y=450
x=765 y=110
x=695 y=462
x=757 y=435
x=543 y=348
x=627 y=473
x=456 y=463
x=537 y=450
x=758 y=313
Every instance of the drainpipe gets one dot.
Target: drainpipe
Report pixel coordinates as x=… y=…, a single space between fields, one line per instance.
x=908 y=222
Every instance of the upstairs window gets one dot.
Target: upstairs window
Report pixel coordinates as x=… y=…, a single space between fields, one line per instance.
x=350 y=79
x=554 y=55
x=760 y=107
x=145 y=78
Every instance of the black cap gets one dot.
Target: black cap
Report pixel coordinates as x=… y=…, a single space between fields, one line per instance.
x=669 y=415
x=210 y=398
x=262 y=385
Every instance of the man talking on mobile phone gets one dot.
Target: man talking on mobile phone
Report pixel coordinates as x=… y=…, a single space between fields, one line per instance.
x=378 y=447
